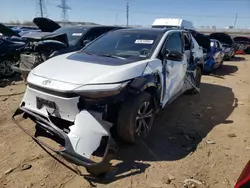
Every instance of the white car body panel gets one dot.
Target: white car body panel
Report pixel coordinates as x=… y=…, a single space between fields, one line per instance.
x=66 y=107
x=180 y=23
x=84 y=73
x=86 y=133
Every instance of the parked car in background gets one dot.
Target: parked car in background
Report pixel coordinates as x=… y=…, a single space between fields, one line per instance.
x=55 y=41
x=9 y=55
x=228 y=45
x=243 y=44
x=173 y=23
x=214 y=59
x=13 y=44
x=113 y=86
x=22 y=29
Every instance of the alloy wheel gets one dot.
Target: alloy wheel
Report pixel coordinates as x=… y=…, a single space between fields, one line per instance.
x=5 y=68
x=144 y=118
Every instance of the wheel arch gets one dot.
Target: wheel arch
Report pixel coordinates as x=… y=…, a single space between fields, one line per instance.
x=150 y=83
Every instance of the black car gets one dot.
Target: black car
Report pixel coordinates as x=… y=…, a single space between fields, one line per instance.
x=79 y=36
x=44 y=45
x=9 y=54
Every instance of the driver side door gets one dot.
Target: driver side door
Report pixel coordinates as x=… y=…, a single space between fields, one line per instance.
x=175 y=69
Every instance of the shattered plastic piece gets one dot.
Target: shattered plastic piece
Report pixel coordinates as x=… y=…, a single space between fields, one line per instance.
x=210 y=142
x=26 y=166
x=186 y=181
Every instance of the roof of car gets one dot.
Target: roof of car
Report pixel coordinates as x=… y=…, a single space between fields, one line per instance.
x=90 y=26
x=150 y=30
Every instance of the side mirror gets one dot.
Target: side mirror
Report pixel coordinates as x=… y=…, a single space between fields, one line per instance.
x=173 y=55
x=85 y=42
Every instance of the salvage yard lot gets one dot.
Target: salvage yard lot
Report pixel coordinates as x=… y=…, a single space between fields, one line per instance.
x=204 y=137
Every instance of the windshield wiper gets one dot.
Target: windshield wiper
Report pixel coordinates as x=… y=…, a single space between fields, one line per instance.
x=112 y=56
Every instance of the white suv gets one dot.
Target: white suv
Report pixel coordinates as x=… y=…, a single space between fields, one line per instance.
x=113 y=86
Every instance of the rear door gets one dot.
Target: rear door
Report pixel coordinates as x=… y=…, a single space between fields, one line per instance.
x=175 y=70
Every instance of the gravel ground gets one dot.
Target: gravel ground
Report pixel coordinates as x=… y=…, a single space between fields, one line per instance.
x=197 y=141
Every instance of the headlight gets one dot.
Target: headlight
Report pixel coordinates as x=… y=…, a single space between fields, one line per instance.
x=101 y=90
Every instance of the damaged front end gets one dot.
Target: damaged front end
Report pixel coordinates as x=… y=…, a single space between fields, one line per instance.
x=39 y=47
x=80 y=126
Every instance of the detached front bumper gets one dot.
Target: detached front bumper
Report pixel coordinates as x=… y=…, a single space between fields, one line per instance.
x=73 y=142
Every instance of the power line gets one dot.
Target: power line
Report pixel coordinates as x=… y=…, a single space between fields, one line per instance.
x=65 y=8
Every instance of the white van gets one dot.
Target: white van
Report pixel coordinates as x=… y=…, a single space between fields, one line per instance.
x=172 y=23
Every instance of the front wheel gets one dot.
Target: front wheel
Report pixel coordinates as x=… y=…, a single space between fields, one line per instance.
x=136 y=118
x=5 y=67
x=196 y=81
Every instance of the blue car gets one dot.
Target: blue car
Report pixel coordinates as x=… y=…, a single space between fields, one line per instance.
x=214 y=59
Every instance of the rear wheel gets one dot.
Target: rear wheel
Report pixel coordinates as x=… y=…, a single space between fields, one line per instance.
x=136 y=118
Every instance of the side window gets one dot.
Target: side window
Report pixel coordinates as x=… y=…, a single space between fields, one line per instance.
x=174 y=43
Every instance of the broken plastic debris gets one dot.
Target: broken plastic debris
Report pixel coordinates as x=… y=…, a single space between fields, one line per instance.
x=210 y=142
x=186 y=181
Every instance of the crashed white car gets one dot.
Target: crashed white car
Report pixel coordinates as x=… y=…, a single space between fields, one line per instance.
x=113 y=86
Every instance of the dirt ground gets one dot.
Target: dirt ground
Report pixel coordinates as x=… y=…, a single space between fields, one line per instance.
x=203 y=137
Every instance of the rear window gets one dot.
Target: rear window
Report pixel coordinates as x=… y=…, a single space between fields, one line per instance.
x=73 y=34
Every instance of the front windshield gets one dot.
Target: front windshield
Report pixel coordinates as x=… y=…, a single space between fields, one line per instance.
x=73 y=34
x=126 y=44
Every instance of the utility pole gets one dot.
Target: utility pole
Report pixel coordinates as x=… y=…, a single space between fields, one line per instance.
x=127 y=13
x=41 y=7
x=236 y=16
x=116 y=18
x=65 y=9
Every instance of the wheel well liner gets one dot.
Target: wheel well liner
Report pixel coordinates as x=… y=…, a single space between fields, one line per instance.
x=149 y=83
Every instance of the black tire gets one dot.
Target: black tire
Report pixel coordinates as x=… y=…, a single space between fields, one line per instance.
x=197 y=81
x=5 y=67
x=131 y=126
x=247 y=51
x=221 y=64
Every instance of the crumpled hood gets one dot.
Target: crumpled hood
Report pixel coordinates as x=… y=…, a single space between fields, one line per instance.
x=82 y=69
x=45 y=24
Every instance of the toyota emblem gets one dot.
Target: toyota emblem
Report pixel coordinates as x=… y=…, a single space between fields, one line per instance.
x=46 y=82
